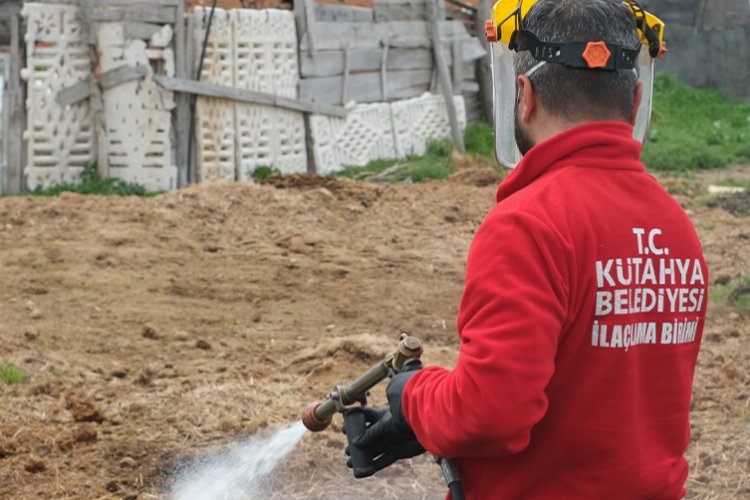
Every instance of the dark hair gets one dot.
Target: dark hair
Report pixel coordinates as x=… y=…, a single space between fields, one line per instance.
x=582 y=94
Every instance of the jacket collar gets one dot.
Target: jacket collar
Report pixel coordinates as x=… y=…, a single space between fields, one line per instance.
x=608 y=145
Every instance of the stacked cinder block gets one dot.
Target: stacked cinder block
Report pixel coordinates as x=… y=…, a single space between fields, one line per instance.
x=215 y=126
x=265 y=60
x=381 y=130
x=138 y=113
x=364 y=135
x=417 y=121
x=251 y=50
x=60 y=139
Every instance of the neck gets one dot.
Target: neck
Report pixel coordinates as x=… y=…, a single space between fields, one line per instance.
x=548 y=126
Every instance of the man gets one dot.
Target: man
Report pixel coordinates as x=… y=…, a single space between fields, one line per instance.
x=585 y=293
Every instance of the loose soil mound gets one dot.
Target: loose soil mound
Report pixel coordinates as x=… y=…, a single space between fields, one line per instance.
x=736 y=203
x=155 y=330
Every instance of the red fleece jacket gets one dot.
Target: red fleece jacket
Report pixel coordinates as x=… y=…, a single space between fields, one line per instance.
x=579 y=328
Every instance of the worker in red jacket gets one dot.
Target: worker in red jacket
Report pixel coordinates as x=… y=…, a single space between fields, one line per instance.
x=586 y=286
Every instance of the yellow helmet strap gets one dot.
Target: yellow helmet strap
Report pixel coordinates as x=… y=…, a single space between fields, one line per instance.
x=651 y=36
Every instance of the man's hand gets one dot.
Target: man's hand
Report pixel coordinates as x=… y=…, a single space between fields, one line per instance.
x=387 y=437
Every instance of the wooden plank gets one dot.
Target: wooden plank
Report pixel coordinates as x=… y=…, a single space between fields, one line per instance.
x=484 y=72
x=399 y=10
x=469 y=86
x=312 y=167
x=17 y=113
x=397 y=34
x=190 y=70
x=383 y=73
x=8 y=8
x=126 y=3
x=312 y=27
x=142 y=31
x=456 y=65
x=249 y=96
x=74 y=93
x=472 y=106
x=144 y=14
x=331 y=62
x=59 y=2
x=299 y=17
x=121 y=74
x=181 y=115
x=445 y=82
x=365 y=87
x=342 y=13
x=4 y=63
x=472 y=49
x=345 y=82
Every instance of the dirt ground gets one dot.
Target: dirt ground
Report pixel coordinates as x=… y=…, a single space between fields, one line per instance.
x=157 y=330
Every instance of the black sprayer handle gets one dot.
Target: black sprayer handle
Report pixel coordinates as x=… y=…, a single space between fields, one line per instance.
x=355 y=425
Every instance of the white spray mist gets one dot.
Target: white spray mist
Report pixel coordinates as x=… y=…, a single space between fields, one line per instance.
x=238 y=473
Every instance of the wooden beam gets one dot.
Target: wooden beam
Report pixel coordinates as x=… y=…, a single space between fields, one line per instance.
x=402 y=10
x=456 y=65
x=397 y=34
x=484 y=72
x=121 y=74
x=300 y=19
x=445 y=81
x=17 y=113
x=137 y=30
x=5 y=63
x=112 y=78
x=331 y=62
x=365 y=87
x=311 y=34
x=144 y=14
x=127 y=3
x=190 y=70
x=342 y=13
x=74 y=93
x=248 y=96
x=181 y=115
x=383 y=74
x=345 y=82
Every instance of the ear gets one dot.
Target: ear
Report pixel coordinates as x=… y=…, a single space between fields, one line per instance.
x=526 y=98
x=636 y=102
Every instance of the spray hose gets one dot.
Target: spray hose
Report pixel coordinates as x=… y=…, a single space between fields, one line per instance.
x=318 y=416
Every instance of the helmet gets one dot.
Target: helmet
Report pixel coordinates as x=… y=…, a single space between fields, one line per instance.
x=507 y=34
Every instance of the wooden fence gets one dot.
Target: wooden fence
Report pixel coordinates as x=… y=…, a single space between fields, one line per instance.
x=112 y=82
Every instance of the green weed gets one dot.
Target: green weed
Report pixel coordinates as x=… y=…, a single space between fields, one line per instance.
x=436 y=163
x=733 y=183
x=740 y=295
x=92 y=183
x=736 y=293
x=693 y=129
x=479 y=140
x=11 y=374
x=263 y=172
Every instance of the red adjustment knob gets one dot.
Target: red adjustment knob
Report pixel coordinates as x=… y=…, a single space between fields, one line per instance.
x=311 y=421
x=489 y=26
x=663 y=50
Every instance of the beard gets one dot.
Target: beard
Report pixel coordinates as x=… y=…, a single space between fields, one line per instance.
x=523 y=139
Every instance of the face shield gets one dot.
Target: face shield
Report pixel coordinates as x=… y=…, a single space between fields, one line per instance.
x=506 y=36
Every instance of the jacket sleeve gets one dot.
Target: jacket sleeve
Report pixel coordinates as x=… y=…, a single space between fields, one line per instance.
x=510 y=318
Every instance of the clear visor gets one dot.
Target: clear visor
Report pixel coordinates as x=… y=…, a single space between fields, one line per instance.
x=504 y=92
x=646 y=77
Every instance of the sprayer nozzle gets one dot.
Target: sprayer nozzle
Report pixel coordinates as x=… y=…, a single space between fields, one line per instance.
x=311 y=421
